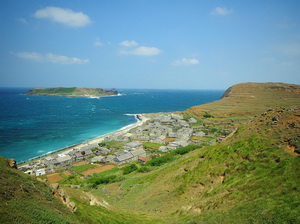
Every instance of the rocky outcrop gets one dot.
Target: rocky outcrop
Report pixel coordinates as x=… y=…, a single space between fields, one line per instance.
x=94 y=201
x=12 y=163
x=63 y=196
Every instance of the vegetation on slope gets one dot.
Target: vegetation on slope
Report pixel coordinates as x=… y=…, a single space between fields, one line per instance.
x=26 y=200
x=249 y=178
x=72 y=92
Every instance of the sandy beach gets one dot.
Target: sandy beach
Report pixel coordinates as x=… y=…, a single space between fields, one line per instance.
x=142 y=118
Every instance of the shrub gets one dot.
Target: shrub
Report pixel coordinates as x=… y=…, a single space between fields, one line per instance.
x=186 y=149
x=129 y=169
x=95 y=181
x=160 y=160
x=207 y=115
x=144 y=169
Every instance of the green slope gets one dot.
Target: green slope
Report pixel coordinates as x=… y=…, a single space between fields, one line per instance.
x=26 y=200
x=250 y=178
x=23 y=199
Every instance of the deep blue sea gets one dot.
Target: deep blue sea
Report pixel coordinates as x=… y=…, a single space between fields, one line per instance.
x=31 y=126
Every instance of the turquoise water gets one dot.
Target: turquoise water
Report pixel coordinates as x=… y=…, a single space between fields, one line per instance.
x=31 y=126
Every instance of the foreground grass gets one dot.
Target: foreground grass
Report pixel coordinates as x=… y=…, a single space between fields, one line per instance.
x=26 y=200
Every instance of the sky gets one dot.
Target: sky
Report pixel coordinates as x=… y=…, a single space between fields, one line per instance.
x=152 y=44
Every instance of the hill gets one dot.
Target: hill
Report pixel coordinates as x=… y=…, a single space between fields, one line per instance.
x=248 y=99
x=252 y=177
x=72 y=92
x=26 y=200
x=23 y=200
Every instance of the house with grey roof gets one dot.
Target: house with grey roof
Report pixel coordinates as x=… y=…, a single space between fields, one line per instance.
x=138 y=153
x=48 y=160
x=123 y=157
x=131 y=146
x=110 y=158
x=103 y=150
x=97 y=159
x=178 y=144
x=60 y=161
x=80 y=154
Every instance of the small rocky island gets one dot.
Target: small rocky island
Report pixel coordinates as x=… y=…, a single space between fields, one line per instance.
x=72 y=92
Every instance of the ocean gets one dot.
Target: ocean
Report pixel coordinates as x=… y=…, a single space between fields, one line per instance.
x=31 y=126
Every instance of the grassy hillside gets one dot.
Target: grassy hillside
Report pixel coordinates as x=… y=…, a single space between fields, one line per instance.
x=250 y=178
x=248 y=99
x=26 y=200
x=72 y=92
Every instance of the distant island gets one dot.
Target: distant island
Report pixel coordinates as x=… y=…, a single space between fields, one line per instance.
x=72 y=92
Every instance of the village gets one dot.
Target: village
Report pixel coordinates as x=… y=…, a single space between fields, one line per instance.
x=154 y=137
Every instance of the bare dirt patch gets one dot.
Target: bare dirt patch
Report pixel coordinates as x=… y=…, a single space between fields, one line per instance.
x=291 y=150
x=80 y=163
x=67 y=173
x=54 y=177
x=97 y=169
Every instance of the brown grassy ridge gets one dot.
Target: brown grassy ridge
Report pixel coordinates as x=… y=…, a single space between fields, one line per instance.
x=248 y=99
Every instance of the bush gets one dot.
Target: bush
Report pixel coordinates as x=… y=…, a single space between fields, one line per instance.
x=186 y=149
x=207 y=115
x=95 y=181
x=160 y=160
x=129 y=169
x=144 y=169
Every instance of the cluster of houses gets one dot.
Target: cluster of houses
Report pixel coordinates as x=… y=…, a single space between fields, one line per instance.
x=92 y=152
x=159 y=129
x=172 y=131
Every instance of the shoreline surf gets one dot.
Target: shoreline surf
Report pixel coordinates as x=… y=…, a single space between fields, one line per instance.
x=140 y=119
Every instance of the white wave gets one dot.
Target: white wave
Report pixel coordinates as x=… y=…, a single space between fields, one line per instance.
x=94 y=97
x=135 y=115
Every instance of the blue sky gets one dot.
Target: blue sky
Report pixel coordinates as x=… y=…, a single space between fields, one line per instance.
x=155 y=44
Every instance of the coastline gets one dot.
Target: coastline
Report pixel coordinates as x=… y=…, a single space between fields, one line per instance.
x=141 y=119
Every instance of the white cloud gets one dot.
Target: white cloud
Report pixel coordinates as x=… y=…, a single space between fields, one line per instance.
x=98 y=43
x=64 y=16
x=52 y=58
x=128 y=43
x=142 y=51
x=221 y=11
x=185 y=61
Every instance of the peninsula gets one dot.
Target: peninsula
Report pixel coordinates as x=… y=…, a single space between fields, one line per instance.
x=72 y=92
